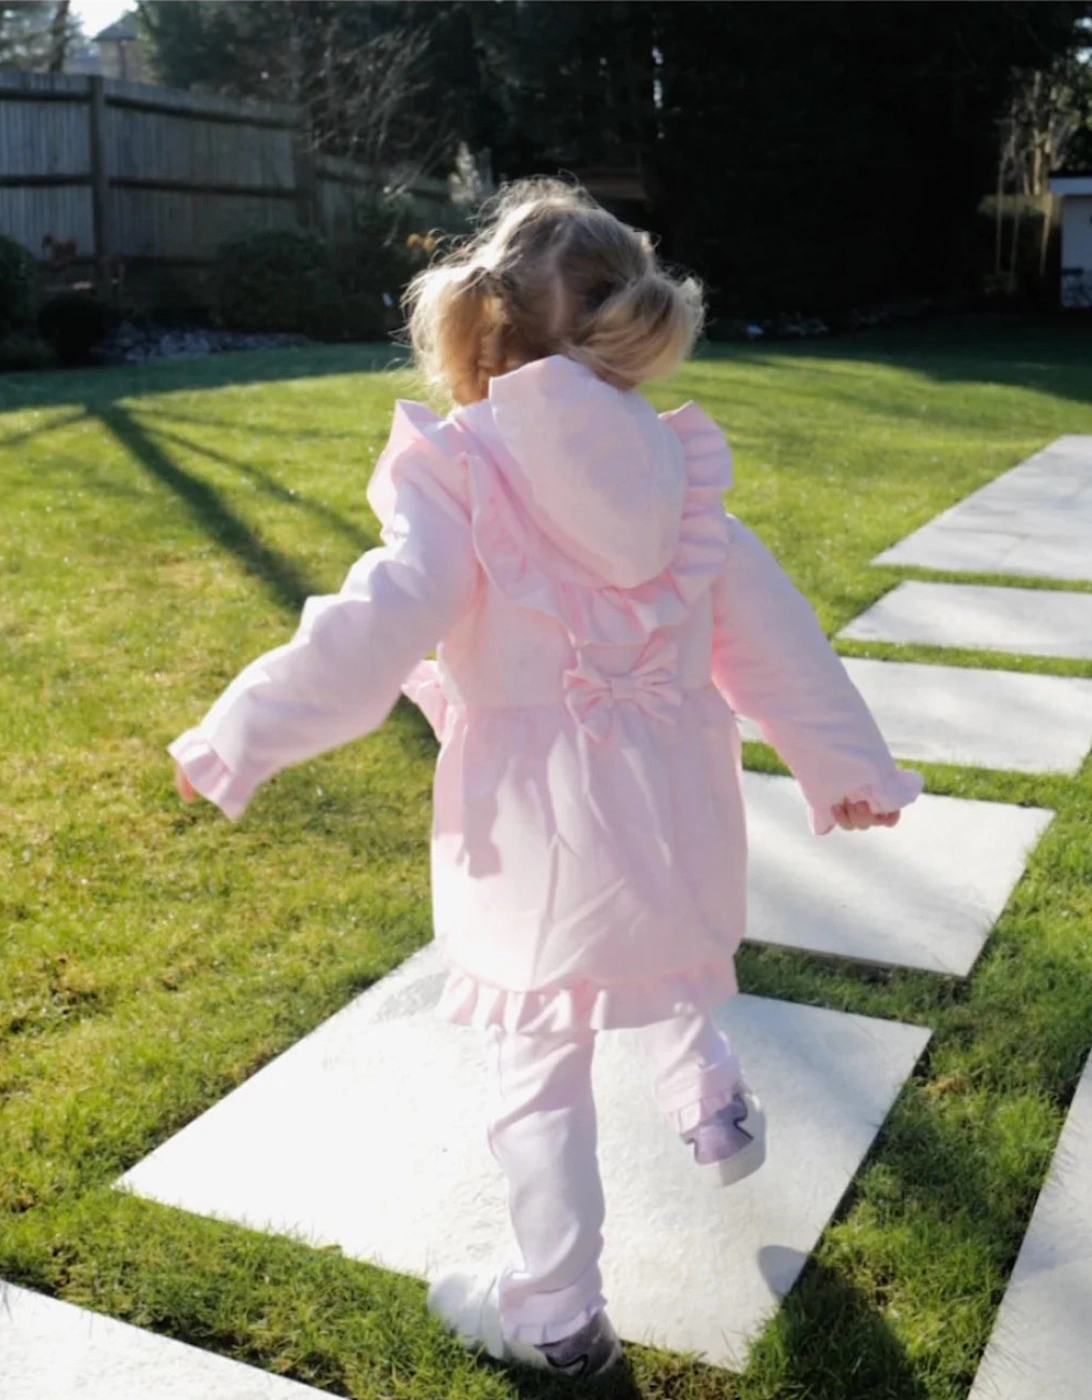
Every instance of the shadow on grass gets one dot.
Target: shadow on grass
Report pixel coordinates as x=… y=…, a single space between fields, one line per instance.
x=105 y=395
x=1049 y=355
x=283 y=580
x=89 y=387
x=269 y=486
x=830 y=1341
x=298 y=434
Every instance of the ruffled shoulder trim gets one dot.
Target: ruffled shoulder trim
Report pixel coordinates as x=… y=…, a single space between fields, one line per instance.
x=707 y=452
x=425 y=449
x=532 y=572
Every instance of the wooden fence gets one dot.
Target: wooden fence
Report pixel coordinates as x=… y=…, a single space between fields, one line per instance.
x=146 y=175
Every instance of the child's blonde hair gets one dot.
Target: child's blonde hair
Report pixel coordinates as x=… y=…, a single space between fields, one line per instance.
x=550 y=273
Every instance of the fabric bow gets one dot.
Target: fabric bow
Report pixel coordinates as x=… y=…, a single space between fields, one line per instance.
x=653 y=685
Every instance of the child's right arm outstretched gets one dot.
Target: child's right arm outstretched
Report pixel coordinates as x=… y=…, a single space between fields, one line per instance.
x=341 y=673
x=773 y=664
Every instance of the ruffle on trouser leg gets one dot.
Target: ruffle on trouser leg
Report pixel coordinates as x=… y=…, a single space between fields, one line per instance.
x=549 y=1317
x=695 y=1071
x=543 y=1133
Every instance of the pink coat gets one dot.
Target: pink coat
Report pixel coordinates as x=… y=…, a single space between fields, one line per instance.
x=598 y=619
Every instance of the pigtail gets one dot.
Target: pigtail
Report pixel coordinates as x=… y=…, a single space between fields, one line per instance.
x=452 y=318
x=641 y=330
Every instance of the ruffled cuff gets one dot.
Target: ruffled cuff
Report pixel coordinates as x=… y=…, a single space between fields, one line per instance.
x=896 y=790
x=210 y=775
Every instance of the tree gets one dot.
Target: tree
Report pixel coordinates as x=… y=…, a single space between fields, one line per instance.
x=1049 y=113
x=360 y=72
x=797 y=155
x=59 y=36
x=36 y=35
x=1048 y=110
x=566 y=85
x=841 y=154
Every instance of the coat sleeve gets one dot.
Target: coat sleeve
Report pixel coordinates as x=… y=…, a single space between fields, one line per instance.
x=341 y=673
x=773 y=664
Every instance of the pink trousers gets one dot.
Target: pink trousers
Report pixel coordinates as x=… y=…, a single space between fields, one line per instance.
x=542 y=1132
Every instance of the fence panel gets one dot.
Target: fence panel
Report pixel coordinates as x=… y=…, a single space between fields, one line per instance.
x=153 y=146
x=43 y=138
x=187 y=226
x=150 y=175
x=32 y=214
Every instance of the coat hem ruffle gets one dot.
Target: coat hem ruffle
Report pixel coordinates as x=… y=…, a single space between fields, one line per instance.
x=468 y=1001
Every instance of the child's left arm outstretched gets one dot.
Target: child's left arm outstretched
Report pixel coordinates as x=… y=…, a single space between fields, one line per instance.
x=773 y=663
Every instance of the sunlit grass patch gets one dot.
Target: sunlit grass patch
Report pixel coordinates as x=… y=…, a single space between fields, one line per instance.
x=159 y=528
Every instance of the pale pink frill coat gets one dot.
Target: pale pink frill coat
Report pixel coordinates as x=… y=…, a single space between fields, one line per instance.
x=598 y=619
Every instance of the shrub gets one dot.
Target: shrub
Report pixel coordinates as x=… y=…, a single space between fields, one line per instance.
x=74 y=324
x=374 y=266
x=23 y=352
x=285 y=280
x=18 y=283
x=275 y=280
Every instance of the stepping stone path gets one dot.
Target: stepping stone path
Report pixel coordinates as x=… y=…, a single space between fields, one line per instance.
x=53 y=1351
x=385 y=1154
x=923 y=895
x=1035 y=520
x=1027 y=621
x=370 y=1134
x=1041 y=1348
x=980 y=719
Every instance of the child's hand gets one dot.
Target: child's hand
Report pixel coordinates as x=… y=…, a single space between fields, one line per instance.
x=186 y=791
x=858 y=816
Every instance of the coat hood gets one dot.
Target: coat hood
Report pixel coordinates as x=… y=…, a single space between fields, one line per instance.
x=596 y=469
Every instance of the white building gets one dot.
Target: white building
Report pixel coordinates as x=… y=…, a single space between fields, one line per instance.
x=119 y=51
x=1076 y=195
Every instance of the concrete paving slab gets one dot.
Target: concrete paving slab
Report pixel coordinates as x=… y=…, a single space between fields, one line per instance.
x=981 y=719
x=51 y=1350
x=369 y=1134
x=1041 y=1348
x=1034 y=520
x=923 y=894
x=1025 y=621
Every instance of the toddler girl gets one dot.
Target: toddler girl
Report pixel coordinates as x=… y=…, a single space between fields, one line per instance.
x=599 y=620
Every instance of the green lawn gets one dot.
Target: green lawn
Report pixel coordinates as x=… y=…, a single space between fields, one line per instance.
x=160 y=526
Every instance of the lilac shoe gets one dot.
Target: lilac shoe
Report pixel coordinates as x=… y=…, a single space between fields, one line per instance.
x=731 y=1143
x=592 y=1351
x=467 y=1304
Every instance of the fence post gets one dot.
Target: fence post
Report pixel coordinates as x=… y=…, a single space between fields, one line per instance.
x=307 y=205
x=100 y=183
